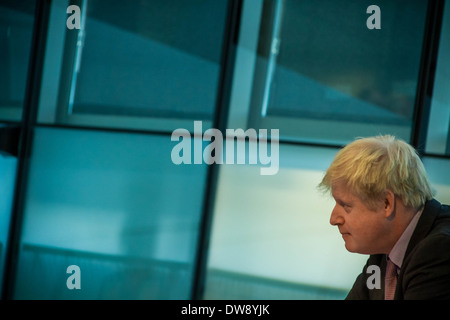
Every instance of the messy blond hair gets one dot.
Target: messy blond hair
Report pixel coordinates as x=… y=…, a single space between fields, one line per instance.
x=369 y=166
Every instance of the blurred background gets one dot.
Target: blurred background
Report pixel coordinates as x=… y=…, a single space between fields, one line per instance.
x=86 y=117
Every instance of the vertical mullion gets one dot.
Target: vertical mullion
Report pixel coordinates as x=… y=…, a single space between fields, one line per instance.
x=231 y=32
x=427 y=71
x=29 y=113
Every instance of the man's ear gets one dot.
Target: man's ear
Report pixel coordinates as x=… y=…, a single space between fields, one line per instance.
x=389 y=204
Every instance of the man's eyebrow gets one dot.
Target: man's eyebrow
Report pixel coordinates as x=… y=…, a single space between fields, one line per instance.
x=341 y=201
x=333 y=194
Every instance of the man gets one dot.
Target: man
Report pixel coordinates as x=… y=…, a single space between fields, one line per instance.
x=385 y=208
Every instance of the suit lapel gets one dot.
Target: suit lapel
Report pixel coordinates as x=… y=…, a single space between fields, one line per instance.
x=429 y=214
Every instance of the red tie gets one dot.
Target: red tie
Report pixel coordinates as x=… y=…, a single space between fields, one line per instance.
x=390 y=281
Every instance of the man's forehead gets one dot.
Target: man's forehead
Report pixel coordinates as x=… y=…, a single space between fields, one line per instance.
x=339 y=187
x=340 y=190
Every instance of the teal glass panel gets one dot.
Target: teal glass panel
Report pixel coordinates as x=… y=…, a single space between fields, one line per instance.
x=16 y=28
x=328 y=78
x=116 y=206
x=7 y=186
x=145 y=59
x=438 y=170
x=438 y=135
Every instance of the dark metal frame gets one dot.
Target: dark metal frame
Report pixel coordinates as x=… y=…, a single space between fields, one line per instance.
x=427 y=71
x=31 y=100
x=220 y=122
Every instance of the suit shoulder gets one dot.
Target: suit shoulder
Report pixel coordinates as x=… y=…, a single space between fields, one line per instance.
x=441 y=226
x=434 y=248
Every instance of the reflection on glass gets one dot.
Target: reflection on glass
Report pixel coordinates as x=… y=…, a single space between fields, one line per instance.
x=321 y=62
x=16 y=27
x=144 y=59
x=438 y=136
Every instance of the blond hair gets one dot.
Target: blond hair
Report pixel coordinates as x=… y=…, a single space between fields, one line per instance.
x=369 y=166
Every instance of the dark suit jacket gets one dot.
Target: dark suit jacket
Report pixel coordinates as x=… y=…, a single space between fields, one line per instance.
x=425 y=271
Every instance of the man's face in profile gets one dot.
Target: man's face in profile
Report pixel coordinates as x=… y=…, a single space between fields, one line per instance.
x=364 y=230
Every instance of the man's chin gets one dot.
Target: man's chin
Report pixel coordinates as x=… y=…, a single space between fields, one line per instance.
x=353 y=249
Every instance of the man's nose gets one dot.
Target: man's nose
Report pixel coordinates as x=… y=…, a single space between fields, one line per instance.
x=336 y=218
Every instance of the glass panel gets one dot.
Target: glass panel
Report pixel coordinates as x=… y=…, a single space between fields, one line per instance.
x=330 y=76
x=16 y=28
x=438 y=171
x=438 y=137
x=132 y=61
x=7 y=184
x=271 y=236
x=114 y=205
